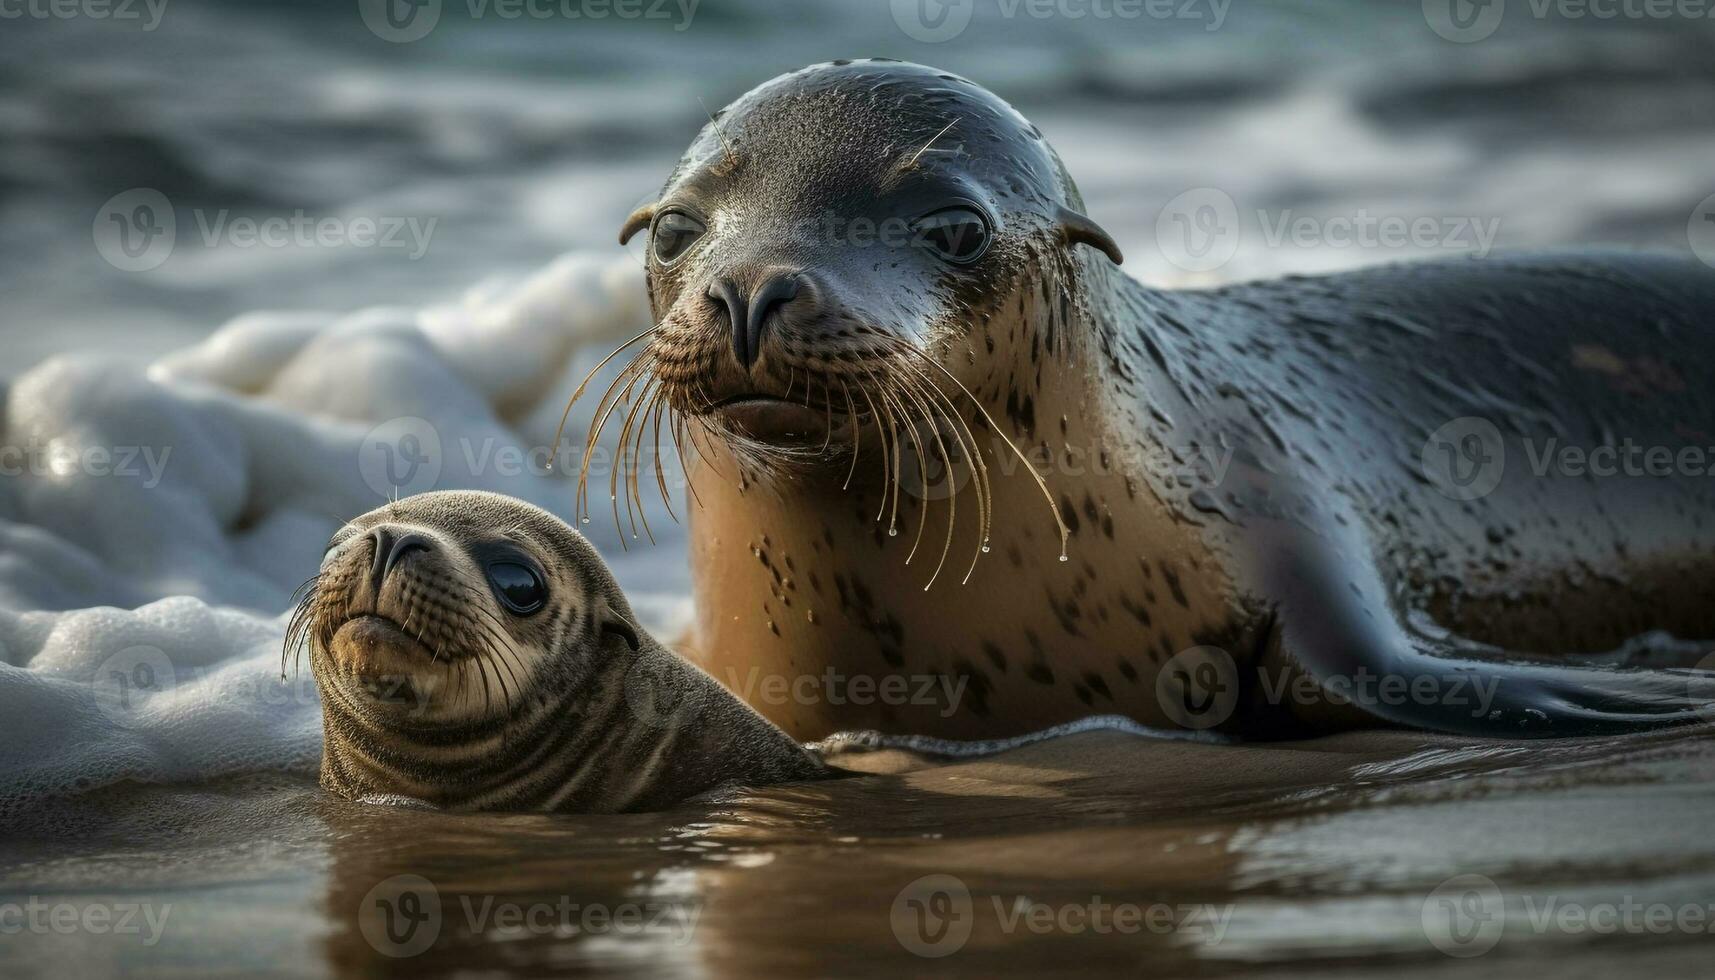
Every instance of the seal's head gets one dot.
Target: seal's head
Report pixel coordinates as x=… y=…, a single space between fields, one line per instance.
x=832 y=224
x=452 y=610
x=474 y=652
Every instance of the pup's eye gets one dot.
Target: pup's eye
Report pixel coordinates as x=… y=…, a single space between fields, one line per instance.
x=518 y=587
x=956 y=234
x=675 y=232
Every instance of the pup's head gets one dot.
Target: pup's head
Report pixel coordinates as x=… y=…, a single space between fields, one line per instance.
x=455 y=608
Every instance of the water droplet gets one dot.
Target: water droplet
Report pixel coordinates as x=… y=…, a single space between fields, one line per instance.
x=893 y=532
x=1064 y=558
x=584 y=520
x=986 y=549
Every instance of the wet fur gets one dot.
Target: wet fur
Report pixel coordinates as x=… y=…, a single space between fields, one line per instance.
x=567 y=716
x=1313 y=558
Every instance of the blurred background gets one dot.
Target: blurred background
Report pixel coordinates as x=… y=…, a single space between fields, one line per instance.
x=485 y=137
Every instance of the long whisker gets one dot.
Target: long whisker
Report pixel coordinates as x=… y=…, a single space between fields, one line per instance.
x=624 y=461
x=558 y=432
x=922 y=472
x=952 y=495
x=595 y=434
x=886 y=454
x=857 y=433
x=661 y=408
x=1041 y=484
x=973 y=461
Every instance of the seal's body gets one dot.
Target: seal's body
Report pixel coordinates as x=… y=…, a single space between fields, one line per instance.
x=472 y=651
x=1333 y=481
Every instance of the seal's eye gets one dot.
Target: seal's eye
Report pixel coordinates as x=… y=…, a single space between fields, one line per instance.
x=956 y=234
x=675 y=232
x=519 y=587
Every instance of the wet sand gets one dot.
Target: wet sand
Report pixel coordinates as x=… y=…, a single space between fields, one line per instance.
x=1099 y=852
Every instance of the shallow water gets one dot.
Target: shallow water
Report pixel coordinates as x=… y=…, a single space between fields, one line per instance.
x=524 y=141
x=1116 y=852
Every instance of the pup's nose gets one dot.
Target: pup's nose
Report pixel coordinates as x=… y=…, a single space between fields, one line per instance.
x=391 y=547
x=747 y=316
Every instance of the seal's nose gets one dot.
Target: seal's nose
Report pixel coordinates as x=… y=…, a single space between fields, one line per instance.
x=391 y=547
x=747 y=317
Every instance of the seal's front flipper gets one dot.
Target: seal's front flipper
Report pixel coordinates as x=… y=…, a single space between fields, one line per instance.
x=1338 y=656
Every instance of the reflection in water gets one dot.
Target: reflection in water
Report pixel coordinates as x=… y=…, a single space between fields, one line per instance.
x=1114 y=852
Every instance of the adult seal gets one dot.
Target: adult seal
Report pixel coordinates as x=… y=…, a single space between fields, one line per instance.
x=1282 y=506
x=473 y=652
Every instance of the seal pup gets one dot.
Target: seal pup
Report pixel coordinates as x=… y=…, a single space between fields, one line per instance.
x=854 y=406
x=473 y=652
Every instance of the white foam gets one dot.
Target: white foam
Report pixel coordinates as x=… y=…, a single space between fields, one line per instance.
x=154 y=522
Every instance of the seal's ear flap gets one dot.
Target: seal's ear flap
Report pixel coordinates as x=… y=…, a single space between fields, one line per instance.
x=1078 y=229
x=611 y=623
x=638 y=221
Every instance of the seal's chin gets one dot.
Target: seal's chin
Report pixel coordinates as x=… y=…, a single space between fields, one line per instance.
x=767 y=418
x=383 y=660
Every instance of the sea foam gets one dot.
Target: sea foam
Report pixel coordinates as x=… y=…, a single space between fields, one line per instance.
x=155 y=520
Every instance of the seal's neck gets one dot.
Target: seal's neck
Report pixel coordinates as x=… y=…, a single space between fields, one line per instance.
x=646 y=732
